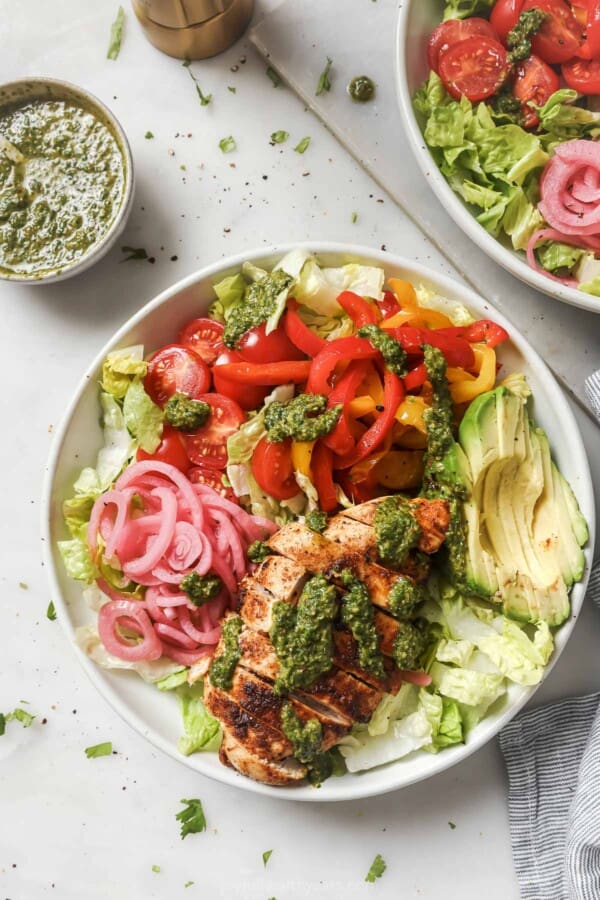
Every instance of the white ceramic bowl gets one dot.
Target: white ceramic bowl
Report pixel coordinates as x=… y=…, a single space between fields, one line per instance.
x=156 y=715
x=416 y=21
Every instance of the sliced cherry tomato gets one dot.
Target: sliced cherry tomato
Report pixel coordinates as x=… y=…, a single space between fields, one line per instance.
x=534 y=82
x=176 y=369
x=259 y=347
x=247 y=396
x=389 y=306
x=204 y=337
x=273 y=470
x=504 y=16
x=487 y=331
x=208 y=445
x=322 y=471
x=590 y=49
x=476 y=68
x=451 y=32
x=583 y=75
x=170 y=450
x=212 y=478
x=560 y=36
x=301 y=336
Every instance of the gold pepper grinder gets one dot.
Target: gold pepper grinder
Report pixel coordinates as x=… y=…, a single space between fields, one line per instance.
x=193 y=29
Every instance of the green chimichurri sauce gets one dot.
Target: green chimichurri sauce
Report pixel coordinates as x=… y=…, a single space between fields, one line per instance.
x=392 y=350
x=186 y=414
x=362 y=88
x=61 y=190
x=304 y=418
x=356 y=613
x=260 y=302
x=316 y=521
x=404 y=597
x=439 y=479
x=306 y=739
x=409 y=645
x=396 y=530
x=518 y=39
x=302 y=635
x=258 y=551
x=201 y=588
x=223 y=666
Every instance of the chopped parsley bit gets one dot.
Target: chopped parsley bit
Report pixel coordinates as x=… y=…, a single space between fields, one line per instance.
x=134 y=253
x=324 y=82
x=452 y=825
x=303 y=145
x=97 y=750
x=378 y=867
x=191 y=817
x=204 y=98
x=304 y=418
x=231 y=89
x=149 y=136
x=266 y=857
x=201 y=588
x=316 y=521
x=274 y=76
x=258 y=551
x=279 y=137
x=51 y=612
x=116 y=35
x=188 y=884
x=227 y=144
x=25 y=718
x=2 y=724
x=156 y=869
x=354 y=217
x=23 y=586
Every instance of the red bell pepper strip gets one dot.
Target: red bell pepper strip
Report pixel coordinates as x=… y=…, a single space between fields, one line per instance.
x=389 y=306
x=456 y=350
x=416 y=377
x=334 y=352
x=298 y=332
x=360 y=310
x=267 y=373
x=322 y=471
x=393 y=395
x=340 y=439
x=487 y=331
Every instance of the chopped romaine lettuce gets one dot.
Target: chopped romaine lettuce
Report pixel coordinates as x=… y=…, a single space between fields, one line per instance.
x=143 y=418
x=230 y=293
x=562 y=120
x=116 y=452
x=152 y=671
x=120 y=368
x=78 y=560
x=202 y=731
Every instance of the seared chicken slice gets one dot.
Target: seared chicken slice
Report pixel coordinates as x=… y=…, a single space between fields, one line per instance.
x=259 y=738
x=259 y=699
x=346 y=657
x=268 y=771
x=352 y=536
x=281 y=576
x=433 y=517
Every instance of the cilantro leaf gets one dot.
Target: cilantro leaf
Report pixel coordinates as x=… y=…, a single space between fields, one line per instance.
x=156 y=868
x=97 y=750
x=51 y=612
x=279 y=137
x=134 y=253
x=354 y=217
x=274 y=76
x=452 y=825
x=231 y=89
x=191 y=817
x=21 y=715
x=378 y=867
x=188 y=884
x=116 y=35
x=302 y=146
x=204 y=100
x=2 y=724
x=23 y=586
x=227 y=144
x=324 y=82
x=148 y=135
x=266 y=857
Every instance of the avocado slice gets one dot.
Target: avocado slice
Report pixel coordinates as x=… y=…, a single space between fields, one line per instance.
x=524 y=528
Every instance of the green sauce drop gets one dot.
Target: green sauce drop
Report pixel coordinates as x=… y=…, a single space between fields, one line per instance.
x=362 y=89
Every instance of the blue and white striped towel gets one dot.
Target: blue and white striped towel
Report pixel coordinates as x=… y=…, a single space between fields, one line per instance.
x=553 y=759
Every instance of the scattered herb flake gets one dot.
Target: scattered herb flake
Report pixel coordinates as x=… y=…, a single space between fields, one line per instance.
x=204 y=100
x=232 y=90
x=227 y=144
x=452 y=825
x=116 y=35
x=25 y=718
x=266 y=857
x=149 y=136
x=274 y=76
x=354 y=217
x=191 y=817
x=324 y=83
x=303 y=145
x=97 y=750
x=156 y=869
x=188 y=884
x=23 y=586
x=2 y=724
x=378 y=867
x=51 y=612
x=134 y=253
x=280 y=137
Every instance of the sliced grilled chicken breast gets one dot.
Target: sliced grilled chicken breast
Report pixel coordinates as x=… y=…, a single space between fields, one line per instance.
x=433 y=517
x=260 y=739
x=235 y=754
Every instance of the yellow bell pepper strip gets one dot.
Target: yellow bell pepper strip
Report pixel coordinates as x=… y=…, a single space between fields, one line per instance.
x=454 y=374
x=372 y=385
x=419 y=318
x=361 y=406
x=409 y=438
x=404 y=291
x=485 y=364
x=410 y=412
x=302 y=457
x=400 y=470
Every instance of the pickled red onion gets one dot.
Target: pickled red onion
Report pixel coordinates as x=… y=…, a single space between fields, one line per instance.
x=570 y=188
x=135 y=611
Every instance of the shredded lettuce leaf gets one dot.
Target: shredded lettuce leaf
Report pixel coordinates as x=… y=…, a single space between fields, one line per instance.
x=152 y=671
x=120 y=368
x=202 y=731
x=143 y=418
x=462 y=9
x=117 y=451
x=78 y=560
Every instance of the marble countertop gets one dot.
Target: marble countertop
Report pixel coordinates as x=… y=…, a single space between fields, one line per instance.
x=76 y=828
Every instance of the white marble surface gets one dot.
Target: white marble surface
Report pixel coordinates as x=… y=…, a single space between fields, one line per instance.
x=74 y=828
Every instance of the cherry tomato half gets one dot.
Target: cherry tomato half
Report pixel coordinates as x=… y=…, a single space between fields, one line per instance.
x=208 y=445
x=583 y=75
x=247 y=396
x=504 y=16
x=451 y=32
x=589 y=18
x=170 y=450
x=534 y=81
x=475 y=67
x=175 y=369
x=273 y=469
x=204 y=337
x=212 y=478
x=560 y=36
x=257 y=346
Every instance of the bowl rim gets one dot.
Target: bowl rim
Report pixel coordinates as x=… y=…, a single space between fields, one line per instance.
x=97 y=250
x=491 y=246
x=357 y=787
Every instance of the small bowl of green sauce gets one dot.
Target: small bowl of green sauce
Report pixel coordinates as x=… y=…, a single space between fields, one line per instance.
x=66 y=180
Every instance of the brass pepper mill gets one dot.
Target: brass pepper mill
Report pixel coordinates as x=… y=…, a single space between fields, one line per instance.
x=193 y=29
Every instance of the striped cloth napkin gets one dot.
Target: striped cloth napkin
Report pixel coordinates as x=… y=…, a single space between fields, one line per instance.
x=553 y=759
